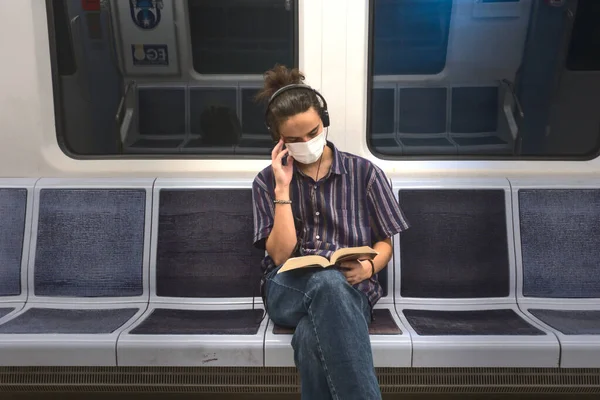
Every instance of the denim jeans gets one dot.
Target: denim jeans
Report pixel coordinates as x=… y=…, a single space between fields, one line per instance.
x=332 y=350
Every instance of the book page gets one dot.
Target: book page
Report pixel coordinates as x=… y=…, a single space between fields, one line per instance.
x=353 y=253
x=304 y=261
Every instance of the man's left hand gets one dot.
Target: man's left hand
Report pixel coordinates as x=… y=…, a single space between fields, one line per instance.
x=356 y=271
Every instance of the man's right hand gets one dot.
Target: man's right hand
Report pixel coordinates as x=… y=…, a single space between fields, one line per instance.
x=283 y=173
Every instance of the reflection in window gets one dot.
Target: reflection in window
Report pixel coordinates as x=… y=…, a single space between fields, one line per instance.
x=241 y=37
x=584 y=54
x=65 y=57
x=410 y=36
x=131 y=81
x=484 y=79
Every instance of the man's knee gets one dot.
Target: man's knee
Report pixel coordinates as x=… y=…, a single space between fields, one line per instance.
x=304 y=339
x=329 y=281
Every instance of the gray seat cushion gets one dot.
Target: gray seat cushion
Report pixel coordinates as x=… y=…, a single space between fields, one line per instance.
x=205 y=244
x=13 y=203
x=90 y=243
x=457 y=245
x=54 y=320
x=571 y=322
x=480 y=322
x=560 y=238
x=164 y=321
x=5 y=311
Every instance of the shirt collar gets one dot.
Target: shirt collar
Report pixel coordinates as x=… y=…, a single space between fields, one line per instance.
x=337 y=166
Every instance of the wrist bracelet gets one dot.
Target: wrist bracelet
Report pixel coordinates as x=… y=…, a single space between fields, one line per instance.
x=282 y=201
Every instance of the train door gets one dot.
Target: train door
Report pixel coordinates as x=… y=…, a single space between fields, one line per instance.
x=89 y=79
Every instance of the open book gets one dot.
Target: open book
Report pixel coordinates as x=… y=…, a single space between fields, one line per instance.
x=346 y=254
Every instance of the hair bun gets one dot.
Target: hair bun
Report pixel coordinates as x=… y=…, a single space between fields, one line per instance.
x=278 y=77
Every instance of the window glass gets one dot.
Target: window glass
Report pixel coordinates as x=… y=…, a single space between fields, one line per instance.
x=493 y=79
x=150 y=77
x=65 y=56
x=241 y=37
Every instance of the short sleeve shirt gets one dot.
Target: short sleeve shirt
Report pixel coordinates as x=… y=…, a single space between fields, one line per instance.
x=352 y=206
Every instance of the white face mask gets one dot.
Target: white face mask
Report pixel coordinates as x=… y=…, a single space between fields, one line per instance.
x=308 y=152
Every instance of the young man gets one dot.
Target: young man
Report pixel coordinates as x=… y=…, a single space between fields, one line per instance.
x=315 y=199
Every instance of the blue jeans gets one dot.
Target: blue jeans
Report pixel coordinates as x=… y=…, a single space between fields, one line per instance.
x=332 y=350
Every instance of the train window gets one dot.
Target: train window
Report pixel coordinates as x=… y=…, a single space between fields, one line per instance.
x=491 y=79
x=146 y=78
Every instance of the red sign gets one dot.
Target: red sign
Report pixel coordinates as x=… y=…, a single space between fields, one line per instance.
x=90 y=5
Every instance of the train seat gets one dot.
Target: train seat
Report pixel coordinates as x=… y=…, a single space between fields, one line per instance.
x=16 y=201
x=205 y=307
x=478 y=121
x=186 y=118
x=86 y=266
x=455 y=288
x=442 y=120
x=558 y=263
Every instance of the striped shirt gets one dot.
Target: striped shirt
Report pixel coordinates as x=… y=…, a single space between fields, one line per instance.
x=352 y=206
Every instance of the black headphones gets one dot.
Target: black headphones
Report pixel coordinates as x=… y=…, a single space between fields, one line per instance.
x=323 y=113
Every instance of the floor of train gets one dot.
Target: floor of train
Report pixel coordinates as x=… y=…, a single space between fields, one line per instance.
x=145 y=396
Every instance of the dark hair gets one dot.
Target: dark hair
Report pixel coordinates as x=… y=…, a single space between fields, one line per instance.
x=289 y=103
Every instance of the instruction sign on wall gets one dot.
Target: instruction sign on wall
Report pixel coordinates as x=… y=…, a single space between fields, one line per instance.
x=146 y=30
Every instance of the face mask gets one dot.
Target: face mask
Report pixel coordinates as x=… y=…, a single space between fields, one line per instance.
x=307 y=152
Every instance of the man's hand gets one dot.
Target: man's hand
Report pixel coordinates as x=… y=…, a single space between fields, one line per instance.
x=283 y=173
x=356 y=271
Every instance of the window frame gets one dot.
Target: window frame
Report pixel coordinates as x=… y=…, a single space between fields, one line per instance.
x=243 y=81
x=371 y=84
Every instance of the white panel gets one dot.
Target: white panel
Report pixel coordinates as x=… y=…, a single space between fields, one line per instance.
x=580 y=351
x=310 y=32
x=576 y=351
x=482 y=351
x=25 y=86
x=333 y=87
x=190 y=350
x=472 y=351
x=357 y=62
x=53 y=349
x=278 y=348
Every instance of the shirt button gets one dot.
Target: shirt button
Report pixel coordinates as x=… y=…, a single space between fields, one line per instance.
x=317 y=213
x=315 y=186
x=318 y=237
